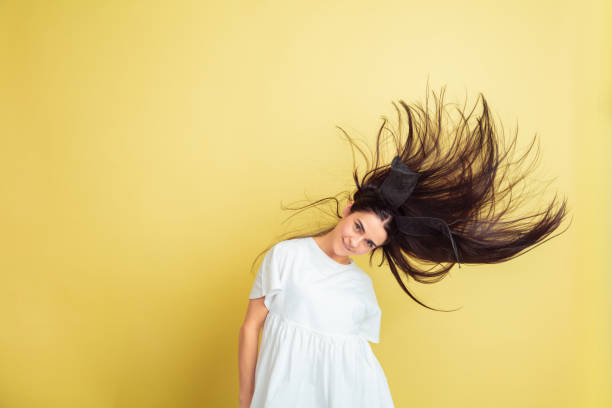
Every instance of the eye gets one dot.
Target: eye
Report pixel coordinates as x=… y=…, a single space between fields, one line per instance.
x=370 y=243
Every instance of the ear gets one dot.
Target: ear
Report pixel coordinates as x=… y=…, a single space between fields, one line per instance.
x=347 y=208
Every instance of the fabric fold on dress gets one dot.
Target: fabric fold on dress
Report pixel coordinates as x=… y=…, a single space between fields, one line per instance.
x=268 y=281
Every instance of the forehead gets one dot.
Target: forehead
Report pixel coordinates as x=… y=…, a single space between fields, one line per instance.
x=373 y=226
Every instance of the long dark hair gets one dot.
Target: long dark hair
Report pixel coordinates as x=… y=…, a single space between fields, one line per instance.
x=468 y=178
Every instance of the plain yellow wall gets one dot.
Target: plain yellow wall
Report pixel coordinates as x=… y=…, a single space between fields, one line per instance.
x=147 y=146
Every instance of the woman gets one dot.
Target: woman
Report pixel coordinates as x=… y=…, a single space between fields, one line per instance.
x=448 y=196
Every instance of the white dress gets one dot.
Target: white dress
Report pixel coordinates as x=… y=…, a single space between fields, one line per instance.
x=314 y=349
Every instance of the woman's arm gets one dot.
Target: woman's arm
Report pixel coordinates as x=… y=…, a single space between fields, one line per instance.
x=247 y=349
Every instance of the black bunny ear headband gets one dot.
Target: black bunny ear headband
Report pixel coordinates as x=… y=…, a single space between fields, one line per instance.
x=395 y=189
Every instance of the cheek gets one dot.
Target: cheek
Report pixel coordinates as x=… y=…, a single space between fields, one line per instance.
x=364 y=251
x=346 y=230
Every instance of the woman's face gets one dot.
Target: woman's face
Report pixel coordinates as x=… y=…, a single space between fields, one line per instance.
x=359 y=232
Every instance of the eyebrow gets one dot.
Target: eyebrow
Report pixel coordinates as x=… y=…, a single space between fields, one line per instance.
x=363 y=229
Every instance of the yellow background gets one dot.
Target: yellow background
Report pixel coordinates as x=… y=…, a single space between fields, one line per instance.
x=147 y=146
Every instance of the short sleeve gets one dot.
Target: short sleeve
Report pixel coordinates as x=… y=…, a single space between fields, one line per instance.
x=370 y=327
x=268 y=281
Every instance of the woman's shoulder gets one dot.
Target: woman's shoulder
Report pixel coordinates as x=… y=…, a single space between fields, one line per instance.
x=365 y=279
x=289 y=246
x=366 y=282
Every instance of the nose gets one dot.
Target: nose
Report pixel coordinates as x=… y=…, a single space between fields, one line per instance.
x=355 y=242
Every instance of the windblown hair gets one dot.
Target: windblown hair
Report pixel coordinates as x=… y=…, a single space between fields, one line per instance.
x=467 y=178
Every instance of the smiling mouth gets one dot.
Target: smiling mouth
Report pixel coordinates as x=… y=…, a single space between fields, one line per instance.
x=347 y=248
